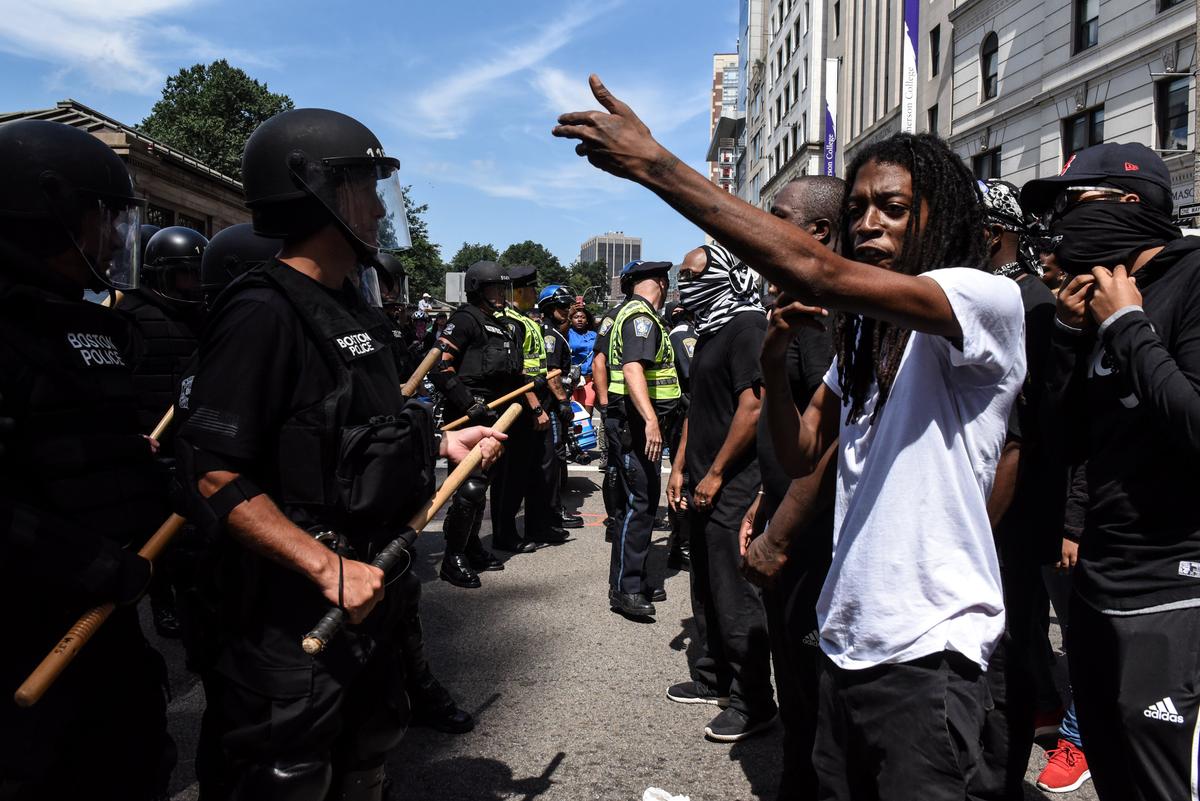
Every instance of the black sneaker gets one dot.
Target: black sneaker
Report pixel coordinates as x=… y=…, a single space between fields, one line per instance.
x=693 y=692
x=733 y=725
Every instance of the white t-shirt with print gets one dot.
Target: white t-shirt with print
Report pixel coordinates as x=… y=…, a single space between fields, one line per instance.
x=914 y=567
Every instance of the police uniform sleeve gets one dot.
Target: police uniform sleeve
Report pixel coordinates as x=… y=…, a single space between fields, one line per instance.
x=248 y=370
x=603 y=336
x=640 y=340
x=461 y=331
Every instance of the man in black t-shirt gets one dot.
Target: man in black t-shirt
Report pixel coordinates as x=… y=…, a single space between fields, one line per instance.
x=683 y=340
x=717 y=448
x=1125 y=386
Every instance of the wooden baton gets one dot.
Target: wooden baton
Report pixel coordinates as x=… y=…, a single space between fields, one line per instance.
x=165 y=421
x=503 y=399
x=315 y=641
x=410 y=387
x=45 y=674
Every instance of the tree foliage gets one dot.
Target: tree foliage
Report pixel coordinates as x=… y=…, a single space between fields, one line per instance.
x=209 y=111
x=588 y=274
x=549 y=268
x=469 y=253
x=423 y=261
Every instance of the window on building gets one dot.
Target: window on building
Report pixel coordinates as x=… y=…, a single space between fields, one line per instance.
x=1083 y=130
x=796 y=32
x=1087 y=24
x=796 y=85
x=159 y=216
x=935 y=50
x=987 y=165
x=837 y=18
x=1172 y=113
x=804 y=126
x=933 y=118
x=787 y=98
x=787 y=48
x=804 y=72
x=807 y=15
x=778 y=110
x=195 y=223
x=989 y=65
x=1163 y=5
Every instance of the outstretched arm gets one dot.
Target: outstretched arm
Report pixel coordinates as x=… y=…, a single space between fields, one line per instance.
x=618 y=142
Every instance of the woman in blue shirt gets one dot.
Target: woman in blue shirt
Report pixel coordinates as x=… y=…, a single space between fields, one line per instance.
x=582 y=336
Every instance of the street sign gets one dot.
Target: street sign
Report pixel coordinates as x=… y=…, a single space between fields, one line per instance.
x=1190 y=210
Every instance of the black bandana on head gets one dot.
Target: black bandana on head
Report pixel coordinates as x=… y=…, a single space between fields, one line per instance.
x=726 y=287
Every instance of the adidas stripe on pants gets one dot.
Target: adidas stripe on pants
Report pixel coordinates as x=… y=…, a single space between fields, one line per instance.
x=1136 y=681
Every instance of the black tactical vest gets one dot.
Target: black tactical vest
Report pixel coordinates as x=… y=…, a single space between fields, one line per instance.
x=493 y=367
x=78 y=449
x=360 y=460
x=168 y=342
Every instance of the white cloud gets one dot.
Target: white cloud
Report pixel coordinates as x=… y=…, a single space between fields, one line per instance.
x=443 y=110
x=115 y=46
x=563 y=185
x=661 y=111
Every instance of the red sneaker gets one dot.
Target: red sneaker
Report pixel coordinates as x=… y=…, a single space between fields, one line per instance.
x=1066 y=769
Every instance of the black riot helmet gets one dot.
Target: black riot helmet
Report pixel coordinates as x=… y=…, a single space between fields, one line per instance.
x=172 y=266
x=144 y=235
x=393 y=279
x=233 y=251
x=305 y=167
x=483 y=274
x=64 y=181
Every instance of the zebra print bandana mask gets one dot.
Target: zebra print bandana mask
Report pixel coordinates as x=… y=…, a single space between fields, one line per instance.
x=726 y=287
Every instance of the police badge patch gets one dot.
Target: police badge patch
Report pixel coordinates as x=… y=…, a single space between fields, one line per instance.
x=606 y=326
x=550 y=343
x=448 y=330
x=642 y=326
x=689 y=345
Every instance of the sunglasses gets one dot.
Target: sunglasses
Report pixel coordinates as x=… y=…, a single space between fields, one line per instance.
x=1069 y=198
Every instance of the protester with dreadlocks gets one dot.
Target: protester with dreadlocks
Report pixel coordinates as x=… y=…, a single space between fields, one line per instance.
x=717 y=454
x=929 y=361
x=1026 y=511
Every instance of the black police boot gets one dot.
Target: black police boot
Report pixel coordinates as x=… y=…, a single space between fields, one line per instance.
x=433 y=706
x=680 y=557
x=457 y=570
x=162 y=608
x=630 y=605
x=655 y=594
x=569 y=520
x=553 y=535
x=512 y=544
x=360 y=785
x=478 y=557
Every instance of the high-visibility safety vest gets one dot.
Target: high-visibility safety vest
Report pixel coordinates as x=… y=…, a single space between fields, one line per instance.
x=662 y=380
x=532 y=343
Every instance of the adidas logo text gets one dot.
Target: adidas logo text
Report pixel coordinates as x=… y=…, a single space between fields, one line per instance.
x=1164 y=710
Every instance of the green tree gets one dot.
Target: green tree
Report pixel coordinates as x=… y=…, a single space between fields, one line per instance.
x=587 y=274
x=469 y=253
x=422 y=261
x=209 y=111
x=549 y=268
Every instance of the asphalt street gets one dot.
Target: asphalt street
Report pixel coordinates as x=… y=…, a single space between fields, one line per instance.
x=569 y=698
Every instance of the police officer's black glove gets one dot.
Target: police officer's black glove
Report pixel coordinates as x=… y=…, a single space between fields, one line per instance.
x=566 y=414
x=7 y=425
x=539 y=384
x=132 y=579
x=479 y=414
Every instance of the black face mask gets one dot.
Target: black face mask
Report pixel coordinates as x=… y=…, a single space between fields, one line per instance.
x=1108 y=233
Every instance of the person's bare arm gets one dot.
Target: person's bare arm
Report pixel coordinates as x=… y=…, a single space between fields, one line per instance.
x=1004 y=486
x=741 y=435
x=600 y=379
x=806 y=498
x=639 y=393
x=619 y=143
x=262 y=527
x=675 y=497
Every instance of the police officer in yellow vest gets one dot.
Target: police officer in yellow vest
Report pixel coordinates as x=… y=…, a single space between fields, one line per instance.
x=643 y=392
x=529 y=458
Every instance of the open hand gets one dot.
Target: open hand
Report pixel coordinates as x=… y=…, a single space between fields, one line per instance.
x=1113 y=291
x=618 y=141
x=788 y=317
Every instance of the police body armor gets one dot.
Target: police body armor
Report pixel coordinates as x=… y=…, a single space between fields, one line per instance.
x=494 y=369
x=77 y=455
x=662 y=380
x=359 y=461
x=533 y=345
x=168 y=342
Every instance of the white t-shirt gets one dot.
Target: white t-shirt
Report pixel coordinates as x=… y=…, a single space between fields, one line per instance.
x=914 y=565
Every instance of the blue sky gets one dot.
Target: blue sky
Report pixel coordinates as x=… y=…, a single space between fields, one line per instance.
x=465 y=92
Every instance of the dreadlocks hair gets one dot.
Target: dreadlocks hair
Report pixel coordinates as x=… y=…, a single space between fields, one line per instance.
x=870 y=350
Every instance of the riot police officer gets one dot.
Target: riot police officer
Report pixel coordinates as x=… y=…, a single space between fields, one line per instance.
x=554 y=302
x=529 y=472
x=167 y=309
x=480 y=362
x=79 y=490
x=300 y=442
x=643 y=394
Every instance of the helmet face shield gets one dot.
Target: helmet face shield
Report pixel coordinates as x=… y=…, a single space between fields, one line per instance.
x=368 y=285
x=110 y=241
x=524 y=297
x=497 y=294
x=365 y=196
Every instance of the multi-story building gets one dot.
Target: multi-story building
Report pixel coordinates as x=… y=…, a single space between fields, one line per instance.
x=795 y=94
x=752 y=89
x=615 y=250
x=723 y=149
x=1037 y=80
